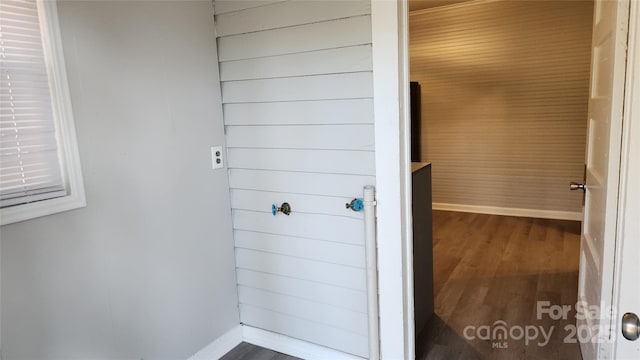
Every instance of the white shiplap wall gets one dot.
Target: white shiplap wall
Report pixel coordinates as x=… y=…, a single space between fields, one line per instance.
x=297 y=98
x=505 y=86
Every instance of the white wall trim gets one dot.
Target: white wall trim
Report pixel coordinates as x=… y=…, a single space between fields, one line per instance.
x=290 y=346
x=406 y=176
x=221 y=345
x=625 y=299
x=496 y=210
x=393 y=173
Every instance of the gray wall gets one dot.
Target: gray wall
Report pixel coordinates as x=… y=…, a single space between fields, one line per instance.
x=147 y=269
x=297 y=94
x=505 y=89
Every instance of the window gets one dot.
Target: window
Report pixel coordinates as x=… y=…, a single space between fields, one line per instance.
x=39 y=163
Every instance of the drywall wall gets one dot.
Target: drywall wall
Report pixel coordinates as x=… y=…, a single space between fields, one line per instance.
x=505 y=86
x=426 y=4
x=146 y=270
x=297 y=92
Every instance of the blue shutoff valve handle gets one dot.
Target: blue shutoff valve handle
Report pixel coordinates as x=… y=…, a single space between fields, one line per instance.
x=285 y=208
x=355 y=205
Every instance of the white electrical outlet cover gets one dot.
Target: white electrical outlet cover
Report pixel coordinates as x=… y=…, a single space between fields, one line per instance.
x=217 y=160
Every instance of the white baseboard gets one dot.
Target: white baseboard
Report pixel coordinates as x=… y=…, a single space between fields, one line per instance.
x=494 y=210
x=291 y=346
x=221 y=345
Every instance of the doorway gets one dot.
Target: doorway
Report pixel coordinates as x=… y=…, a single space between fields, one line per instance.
x=505 y=88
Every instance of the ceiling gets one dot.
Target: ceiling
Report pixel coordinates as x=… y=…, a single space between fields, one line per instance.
x=426 y=4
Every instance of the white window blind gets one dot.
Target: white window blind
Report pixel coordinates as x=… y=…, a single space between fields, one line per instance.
x=30 y=168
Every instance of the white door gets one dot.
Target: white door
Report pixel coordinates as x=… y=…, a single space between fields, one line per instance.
x=597 y=248
x=628 y=278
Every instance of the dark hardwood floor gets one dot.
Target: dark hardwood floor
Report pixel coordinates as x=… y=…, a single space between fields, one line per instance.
x=246 y=351
x=489 y=268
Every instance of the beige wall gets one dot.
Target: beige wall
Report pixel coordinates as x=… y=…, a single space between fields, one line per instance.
x=504 y=101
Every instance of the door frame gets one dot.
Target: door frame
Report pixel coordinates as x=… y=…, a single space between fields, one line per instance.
x=389 y=23
x=628 y=228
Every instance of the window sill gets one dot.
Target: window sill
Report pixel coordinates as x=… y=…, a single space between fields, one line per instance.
x=34 y=210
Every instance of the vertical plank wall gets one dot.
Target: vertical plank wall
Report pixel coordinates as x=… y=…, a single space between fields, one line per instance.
x=505 y=86
x=298 y=112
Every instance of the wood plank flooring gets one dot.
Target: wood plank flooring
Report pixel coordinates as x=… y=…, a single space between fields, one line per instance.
x=246 y=351
x=489 y=268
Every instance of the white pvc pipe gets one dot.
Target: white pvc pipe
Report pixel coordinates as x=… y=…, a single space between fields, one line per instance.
x=371 y=249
